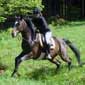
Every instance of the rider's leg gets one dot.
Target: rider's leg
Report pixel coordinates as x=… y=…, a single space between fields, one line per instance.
x=48 y=51
x=48 y=36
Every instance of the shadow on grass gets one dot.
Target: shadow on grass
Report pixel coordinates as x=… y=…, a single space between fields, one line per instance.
x=45 y=72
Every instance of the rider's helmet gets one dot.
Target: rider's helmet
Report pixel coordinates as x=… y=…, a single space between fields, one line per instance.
x=36 y=11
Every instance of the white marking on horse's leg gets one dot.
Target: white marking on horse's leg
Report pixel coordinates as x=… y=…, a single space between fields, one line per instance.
x=49 y=56
x=42 y=56
x=25 y=57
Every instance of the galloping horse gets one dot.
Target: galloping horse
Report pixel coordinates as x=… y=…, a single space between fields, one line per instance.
x=34 y=51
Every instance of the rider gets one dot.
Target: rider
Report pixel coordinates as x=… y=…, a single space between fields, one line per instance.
x=41 y=24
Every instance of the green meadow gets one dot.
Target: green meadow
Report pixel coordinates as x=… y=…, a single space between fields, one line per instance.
x=42 y=72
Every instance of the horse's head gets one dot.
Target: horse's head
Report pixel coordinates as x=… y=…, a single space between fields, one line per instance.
x=18 y=26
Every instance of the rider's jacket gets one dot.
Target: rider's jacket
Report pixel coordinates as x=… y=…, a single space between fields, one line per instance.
x=41 y=24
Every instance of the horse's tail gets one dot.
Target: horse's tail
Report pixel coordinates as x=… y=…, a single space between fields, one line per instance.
x=75 y=50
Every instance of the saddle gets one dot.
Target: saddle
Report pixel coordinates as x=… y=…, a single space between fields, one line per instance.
x=40 y=38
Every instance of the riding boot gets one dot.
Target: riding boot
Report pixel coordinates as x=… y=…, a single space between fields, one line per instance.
x=48 y=52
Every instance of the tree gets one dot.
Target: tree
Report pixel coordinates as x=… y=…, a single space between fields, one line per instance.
x=13 y=7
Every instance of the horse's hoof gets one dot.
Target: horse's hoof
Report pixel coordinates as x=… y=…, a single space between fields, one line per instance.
x=18 y=75
x=69 y=66
x=15 y=75
x=12 y=75
x=80 y=65
x=58 y=67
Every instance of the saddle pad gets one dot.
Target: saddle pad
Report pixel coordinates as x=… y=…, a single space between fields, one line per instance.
x=40 y=38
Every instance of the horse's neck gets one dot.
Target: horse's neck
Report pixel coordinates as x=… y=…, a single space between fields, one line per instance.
x=26 y=35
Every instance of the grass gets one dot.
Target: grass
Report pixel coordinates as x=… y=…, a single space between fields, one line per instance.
x=42 y=72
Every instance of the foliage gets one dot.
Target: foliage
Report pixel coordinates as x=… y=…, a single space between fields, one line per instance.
x=59 y=21
x=40 y=72
x=22 y=7
x=13 y=7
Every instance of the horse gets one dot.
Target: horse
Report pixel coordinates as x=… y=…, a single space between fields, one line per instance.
x=34 y=51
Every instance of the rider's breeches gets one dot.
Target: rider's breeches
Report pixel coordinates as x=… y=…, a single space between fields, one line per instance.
x=48 y=37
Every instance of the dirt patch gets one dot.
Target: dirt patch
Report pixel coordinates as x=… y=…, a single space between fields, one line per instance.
x=2 y=68
x=1 y=71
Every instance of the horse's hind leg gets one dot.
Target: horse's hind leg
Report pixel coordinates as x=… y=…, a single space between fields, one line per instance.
x=56 y=62
x=65 y=57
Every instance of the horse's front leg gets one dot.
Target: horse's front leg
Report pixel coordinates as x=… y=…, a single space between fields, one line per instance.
x=19 y=59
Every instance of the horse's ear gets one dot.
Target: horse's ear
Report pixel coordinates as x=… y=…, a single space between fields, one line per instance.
x=20 y=17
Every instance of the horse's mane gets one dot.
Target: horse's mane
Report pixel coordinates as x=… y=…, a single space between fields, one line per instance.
x=28 y=21
x=30 y=25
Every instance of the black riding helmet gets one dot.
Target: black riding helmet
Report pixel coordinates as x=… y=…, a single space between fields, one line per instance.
x=36 y=11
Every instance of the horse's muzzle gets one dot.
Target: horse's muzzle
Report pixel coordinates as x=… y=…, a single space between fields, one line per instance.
x=14 y=33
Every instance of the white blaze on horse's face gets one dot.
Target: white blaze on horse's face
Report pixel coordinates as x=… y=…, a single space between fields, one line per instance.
x=16 y=22
x=15 y=30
